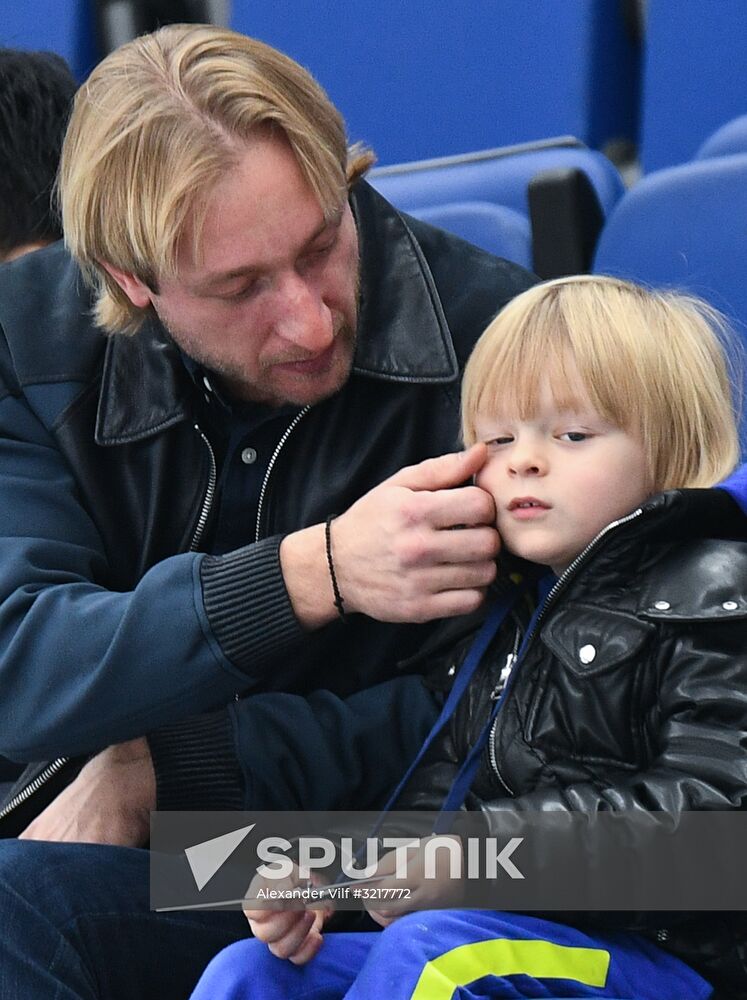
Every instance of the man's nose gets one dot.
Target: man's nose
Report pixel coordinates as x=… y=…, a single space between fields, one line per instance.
x=303 y=318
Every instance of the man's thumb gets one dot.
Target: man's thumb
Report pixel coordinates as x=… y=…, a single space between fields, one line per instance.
x=443 y=472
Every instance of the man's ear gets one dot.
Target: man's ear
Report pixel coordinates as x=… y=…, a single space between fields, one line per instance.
x=136 y=290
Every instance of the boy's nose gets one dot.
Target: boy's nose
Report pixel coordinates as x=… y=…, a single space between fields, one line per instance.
x=527 y=463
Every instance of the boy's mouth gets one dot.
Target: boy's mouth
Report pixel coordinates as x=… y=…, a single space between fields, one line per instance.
x=527 y=503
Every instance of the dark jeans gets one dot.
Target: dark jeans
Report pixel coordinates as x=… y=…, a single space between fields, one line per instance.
x=75 y=925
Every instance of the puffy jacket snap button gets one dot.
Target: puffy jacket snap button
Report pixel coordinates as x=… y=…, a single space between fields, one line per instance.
x=248 y=456
x=730 y=605
x=662 y=605
x=587 y=653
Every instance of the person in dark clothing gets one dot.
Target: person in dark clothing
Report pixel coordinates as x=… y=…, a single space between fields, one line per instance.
x=36 y=94
x=608 y=414
x=243 y=366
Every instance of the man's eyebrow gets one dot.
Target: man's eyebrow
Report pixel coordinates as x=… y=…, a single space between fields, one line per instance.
x=212 y=281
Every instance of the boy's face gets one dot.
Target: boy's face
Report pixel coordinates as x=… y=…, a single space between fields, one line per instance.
x=558 y=478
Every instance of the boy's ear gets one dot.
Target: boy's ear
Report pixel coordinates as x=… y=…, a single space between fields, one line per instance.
x=136 y=290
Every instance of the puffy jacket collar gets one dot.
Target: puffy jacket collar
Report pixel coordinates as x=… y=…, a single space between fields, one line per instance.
x=686 y=514
x=144 y=388
x=669 y=518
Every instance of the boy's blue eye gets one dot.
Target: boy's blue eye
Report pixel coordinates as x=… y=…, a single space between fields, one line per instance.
x=507 y=439
x=575 y=436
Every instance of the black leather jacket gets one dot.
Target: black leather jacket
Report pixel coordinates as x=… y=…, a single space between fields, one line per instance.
x=112 y=622
x=662 y=599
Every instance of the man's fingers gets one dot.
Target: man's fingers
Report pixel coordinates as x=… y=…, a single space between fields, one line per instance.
x=469 y=545
x=470 y=576
x=443 y=472
x=450 y=604
x=446 y=604
x=468 y=505
x=447 y=508
x=450 y=548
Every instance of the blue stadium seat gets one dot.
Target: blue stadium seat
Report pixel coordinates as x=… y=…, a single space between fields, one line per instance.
x=66 y=28
x=494 y=228
x=685 y=227
x=731 y=138
x=500 y=175
x=433 y=77
x=693 y=77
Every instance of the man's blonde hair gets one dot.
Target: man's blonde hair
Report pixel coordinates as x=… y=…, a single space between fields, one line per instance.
x=157 y=124
x=653 y=363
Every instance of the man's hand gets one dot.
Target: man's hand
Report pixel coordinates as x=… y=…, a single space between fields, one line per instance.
x=396 y=555
x=108 y=803
x=295 y=932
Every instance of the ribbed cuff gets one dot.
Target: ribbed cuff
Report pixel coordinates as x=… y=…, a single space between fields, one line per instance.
x=247 y=605
x=196 y=765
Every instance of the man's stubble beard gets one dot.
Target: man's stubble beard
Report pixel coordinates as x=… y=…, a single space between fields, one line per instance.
x=246 y=385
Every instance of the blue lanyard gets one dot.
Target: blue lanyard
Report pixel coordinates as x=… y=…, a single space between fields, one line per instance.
x=497 y=614
x=495 y=618
x=466 y=774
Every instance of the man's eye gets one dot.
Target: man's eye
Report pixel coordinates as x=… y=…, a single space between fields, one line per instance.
x=318 y=254
x=241 y=294
x=574 y=436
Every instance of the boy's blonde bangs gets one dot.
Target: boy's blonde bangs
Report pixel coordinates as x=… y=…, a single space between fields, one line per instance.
x=157 y=124
x=652 y=363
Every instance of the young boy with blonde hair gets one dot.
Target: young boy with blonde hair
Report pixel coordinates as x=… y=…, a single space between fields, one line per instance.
x=607 y=413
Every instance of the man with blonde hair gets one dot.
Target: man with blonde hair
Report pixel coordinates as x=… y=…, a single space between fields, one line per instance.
x=218 y=489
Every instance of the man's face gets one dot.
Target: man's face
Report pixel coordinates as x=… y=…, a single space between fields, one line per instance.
x=271 y=303
x=559 y=478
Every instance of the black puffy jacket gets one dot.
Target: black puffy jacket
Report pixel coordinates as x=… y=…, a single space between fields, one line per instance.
x=655 y=718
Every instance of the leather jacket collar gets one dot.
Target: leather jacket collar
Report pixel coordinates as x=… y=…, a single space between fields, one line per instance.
x=143 y=387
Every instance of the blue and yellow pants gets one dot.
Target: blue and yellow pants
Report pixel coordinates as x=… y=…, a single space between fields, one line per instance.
x=469 y=954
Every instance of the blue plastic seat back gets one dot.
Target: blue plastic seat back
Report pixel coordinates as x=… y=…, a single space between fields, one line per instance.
x=686 y=227
x=500 y=176
x=729 y=140
x=694 y=76
x=66 y=28
x=495 y=228
x=435 y=77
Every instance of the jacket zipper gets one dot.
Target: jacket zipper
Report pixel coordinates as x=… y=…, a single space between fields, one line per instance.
x=509 y=664
x=495 y=695
x=560 y=583
x=278 y=448
x=56 y=765
x=209 y=493
x=41 y=779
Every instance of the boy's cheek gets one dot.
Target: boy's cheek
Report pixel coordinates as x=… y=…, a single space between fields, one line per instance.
x=484 y=484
